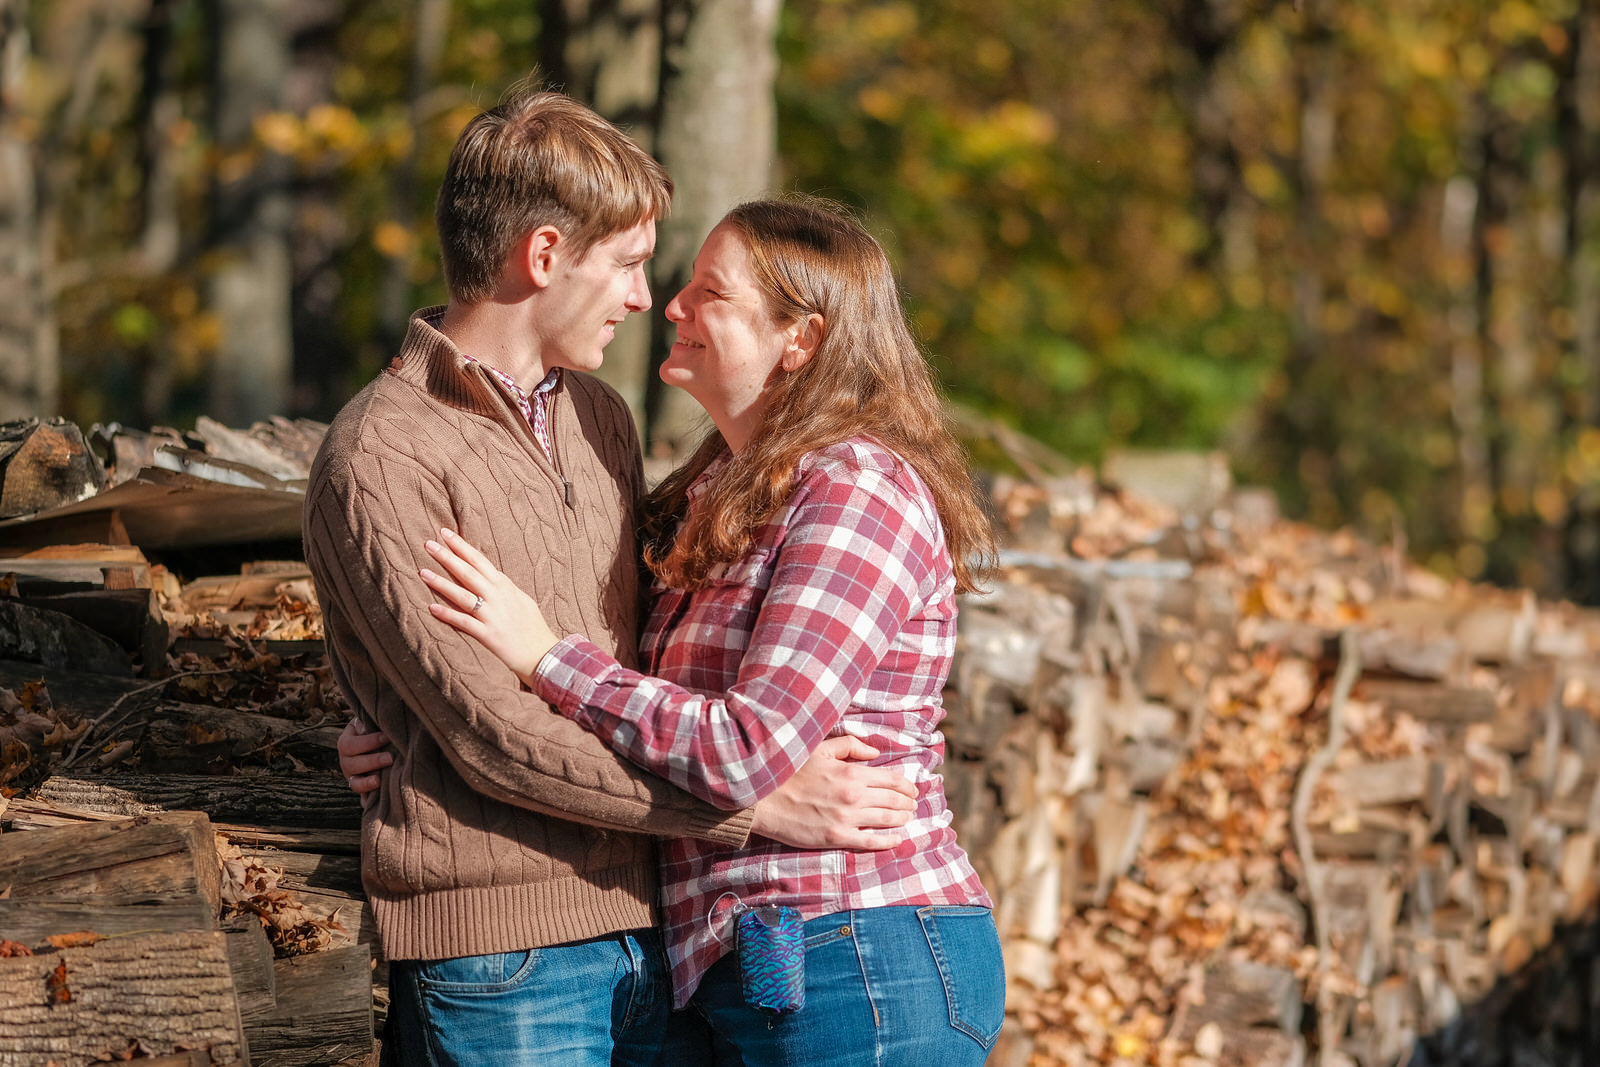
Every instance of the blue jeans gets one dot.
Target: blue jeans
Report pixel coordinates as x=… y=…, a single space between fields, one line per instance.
x=886 y=987
x=598 y=1003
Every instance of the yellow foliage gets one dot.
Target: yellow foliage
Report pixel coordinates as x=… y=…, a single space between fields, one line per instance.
x=888 y=22
x=394 y=240
x=1550 y=503
x=880 y=103
x=335 y=127
x=279 y=131
x=1430 y=59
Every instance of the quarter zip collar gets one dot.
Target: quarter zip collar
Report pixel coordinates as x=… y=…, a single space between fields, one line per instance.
x=431 y=362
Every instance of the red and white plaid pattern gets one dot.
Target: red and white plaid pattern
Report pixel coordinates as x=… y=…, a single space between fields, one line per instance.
x=536 y=409
x=842 y=619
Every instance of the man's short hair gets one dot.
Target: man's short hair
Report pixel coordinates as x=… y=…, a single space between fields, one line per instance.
x=538 y=158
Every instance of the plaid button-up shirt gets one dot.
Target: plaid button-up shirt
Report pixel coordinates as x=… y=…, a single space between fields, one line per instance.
x=841 y=619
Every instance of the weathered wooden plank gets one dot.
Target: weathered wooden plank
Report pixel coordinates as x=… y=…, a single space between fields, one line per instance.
x=69 y=564
x=172 y=992
x=323 y=1013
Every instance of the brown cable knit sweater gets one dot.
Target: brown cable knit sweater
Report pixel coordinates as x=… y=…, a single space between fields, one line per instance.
x=501 y=826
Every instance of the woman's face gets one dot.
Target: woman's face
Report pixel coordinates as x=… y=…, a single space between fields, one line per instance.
x=728 y=345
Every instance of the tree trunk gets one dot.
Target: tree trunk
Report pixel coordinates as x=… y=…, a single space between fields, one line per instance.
x=1302 y=422
x=29 y=373
x=1508 y=275
x=322 y=357
x=431 y=20
x=608 y=54
x=717 y=138
x=1461 y=242
x=1580 y=127
x=1205 y=31
x=251 y=215
x=160 y=233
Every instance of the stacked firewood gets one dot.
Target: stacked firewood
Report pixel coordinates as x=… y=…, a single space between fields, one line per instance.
x=1247 y=793
x=179 y=876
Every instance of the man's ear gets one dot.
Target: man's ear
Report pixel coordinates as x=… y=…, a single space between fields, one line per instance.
x=805 y=337
x=536 y=255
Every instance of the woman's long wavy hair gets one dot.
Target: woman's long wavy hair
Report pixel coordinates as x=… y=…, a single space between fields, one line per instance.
x=867 y=377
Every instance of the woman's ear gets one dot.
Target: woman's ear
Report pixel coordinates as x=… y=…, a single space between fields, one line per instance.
x=805 y=337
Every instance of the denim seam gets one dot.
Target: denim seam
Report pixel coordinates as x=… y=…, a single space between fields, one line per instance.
x=638 y=989
x=523 y=972
x=928 y=917
x=866 y=985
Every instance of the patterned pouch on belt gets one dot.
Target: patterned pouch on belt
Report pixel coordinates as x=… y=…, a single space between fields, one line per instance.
x=772 y=959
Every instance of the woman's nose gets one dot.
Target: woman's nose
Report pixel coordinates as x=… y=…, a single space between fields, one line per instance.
x=675 y=312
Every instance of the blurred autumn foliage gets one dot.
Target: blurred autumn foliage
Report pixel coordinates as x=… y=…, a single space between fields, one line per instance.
x=1355 y=244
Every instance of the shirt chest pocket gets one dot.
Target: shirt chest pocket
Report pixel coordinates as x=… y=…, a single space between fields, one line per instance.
x=731 y=599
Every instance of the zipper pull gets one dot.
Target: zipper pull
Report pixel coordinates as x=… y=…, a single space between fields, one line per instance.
x=566 y=490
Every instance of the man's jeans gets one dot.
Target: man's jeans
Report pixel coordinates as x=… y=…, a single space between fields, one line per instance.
x=885 y=987
x=591 y=1003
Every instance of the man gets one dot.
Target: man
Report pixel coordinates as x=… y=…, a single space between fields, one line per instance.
x=505 y=858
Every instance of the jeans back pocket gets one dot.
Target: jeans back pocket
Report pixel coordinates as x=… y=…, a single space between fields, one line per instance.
x=966 y=947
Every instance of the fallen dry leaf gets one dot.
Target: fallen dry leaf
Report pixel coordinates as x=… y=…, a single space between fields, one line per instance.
x=76 y=939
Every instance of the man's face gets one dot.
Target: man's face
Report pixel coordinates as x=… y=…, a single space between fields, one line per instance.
x=586 y=298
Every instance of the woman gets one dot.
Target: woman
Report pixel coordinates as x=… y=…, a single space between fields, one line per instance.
x=807 y=560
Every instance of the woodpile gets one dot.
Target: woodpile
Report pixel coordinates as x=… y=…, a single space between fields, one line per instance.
x=1244 y=792
x=188 y=885
x=1252 y=794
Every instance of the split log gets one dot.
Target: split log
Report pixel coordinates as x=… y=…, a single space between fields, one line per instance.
x=249 y=447
x=1240 y=995
x=243 y=591
x=130 y=617
x=152 y=858
x=57 y=641
x=1442 y=704
x=323 y=1013
x=216 y=647
x=31 y=921
x=262 y=800
x=1387 y=782
x=44 y=465
x=333 y=842
x=251 y=963
x=167 y=721
x=169 y=992
x=328 y=888
x=153 y=873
